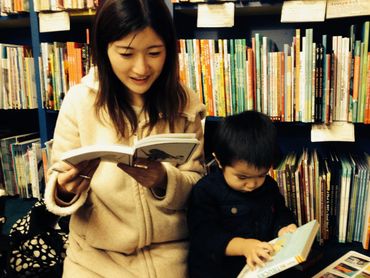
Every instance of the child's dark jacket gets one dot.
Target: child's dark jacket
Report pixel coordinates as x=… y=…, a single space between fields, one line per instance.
x=218 y=213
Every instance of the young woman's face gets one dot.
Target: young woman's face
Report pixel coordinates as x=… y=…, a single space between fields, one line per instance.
x=137 y=59
x=243 y=177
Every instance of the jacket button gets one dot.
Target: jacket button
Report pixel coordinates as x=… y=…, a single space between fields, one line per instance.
x=234 y=210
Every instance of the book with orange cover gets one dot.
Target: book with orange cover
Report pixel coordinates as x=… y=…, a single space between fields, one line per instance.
x=207 y=76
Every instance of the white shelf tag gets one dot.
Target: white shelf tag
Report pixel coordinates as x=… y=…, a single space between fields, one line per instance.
x=216 y=15
x=336 y=131
x=53 y=22
x=345 y=8
x=303 y=11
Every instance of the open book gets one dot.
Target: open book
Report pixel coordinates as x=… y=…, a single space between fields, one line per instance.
x=290 y=249
x=170 y=147
x=351 y=264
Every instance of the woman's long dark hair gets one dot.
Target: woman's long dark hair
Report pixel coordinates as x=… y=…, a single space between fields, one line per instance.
x=114 y=20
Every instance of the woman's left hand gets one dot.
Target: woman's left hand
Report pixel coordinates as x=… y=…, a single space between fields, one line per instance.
x=148 y=173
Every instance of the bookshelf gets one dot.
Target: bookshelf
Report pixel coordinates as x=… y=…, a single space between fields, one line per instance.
x=294 y=135
x=14 y=29
x=23 y=28
x=80 y=20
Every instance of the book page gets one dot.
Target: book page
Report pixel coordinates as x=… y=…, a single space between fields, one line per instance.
x=303 y=11
x=216 y=15
x=336 y=131
x=115 y=153
x=175 y=152
x=352 y=264
x=165 y=137
x=172 y=147
x=346 y=8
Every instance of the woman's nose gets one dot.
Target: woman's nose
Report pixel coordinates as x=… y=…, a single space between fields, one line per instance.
x=141 y=65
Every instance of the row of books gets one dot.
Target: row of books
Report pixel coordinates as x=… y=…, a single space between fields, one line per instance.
x=17 y=77
x=13 y=7
x=8 y=7
x=62 y=65
x=332 y=188
x=23 y=165
x=59 y=5
x=308 y=81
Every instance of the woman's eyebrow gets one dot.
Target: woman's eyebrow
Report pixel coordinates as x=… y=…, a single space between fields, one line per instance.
x=131 y=48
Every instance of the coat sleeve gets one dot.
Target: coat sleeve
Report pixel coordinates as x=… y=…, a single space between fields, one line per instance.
x=66 y=137
x=208 y=238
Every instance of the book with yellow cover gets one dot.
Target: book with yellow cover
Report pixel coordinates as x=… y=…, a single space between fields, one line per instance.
x=171 y=147
x=290 y=249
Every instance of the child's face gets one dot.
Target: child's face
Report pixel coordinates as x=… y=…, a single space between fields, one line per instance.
x=137 y=59
x=244 y=177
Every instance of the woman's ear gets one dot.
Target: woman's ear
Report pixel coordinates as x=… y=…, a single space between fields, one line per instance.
x=218 y=162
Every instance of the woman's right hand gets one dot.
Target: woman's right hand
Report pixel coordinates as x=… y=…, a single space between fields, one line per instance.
x=75 y=179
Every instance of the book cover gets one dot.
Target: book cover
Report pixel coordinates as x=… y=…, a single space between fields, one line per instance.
x=7 y=160
x=291 y=249
x=351 y=264
x=366 y=217
x=21 y=166
x=173 y=147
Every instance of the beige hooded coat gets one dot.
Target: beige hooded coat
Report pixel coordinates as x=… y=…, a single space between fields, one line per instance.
x=118 y=227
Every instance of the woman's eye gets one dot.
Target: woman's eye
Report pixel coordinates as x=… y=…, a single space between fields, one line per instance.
x=154 y=53
x=125 y=55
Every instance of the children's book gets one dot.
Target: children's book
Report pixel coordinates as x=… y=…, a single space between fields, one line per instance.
x=170 y=147
x=290 y=249
x=351 y=264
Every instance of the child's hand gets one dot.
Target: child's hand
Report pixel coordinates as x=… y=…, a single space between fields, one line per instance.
x=257 y=252
x=287 y=229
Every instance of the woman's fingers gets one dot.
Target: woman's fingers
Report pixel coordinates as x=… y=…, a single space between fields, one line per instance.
x=76 y=179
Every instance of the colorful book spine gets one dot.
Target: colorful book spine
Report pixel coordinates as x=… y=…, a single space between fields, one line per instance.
x=363 y=87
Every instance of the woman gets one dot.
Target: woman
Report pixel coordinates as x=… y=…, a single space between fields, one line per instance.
x=126 y=221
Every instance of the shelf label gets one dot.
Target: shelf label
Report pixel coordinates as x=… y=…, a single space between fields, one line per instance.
x=216 y=15
x=345 y=8
x=53 y=22
x=303 y=11
x=336 y=131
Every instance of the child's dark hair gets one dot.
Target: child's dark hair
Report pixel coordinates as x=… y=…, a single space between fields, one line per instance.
x=249 y=136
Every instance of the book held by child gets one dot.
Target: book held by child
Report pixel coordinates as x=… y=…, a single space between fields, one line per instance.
x=290 y=249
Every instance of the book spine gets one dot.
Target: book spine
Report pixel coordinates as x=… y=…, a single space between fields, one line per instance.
x=250 y=92
x=364 y=61
x=367 y=103
x=258 y=72
x=297 y=74
x=198 y=69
